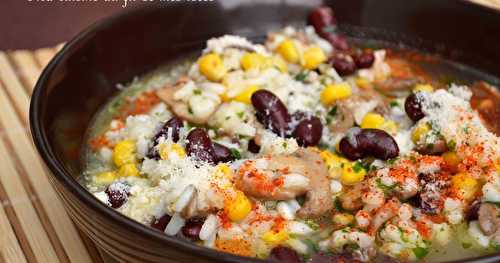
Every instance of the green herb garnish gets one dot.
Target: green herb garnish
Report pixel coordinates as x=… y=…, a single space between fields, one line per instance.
x=451 y=144
x=333 y=111
x=393 y=104
x=312 y=224
x=301 y=199
x=357 y=167
x=420 y=252
x=313 y=246
x=385 y=188
x=466 y=245
x=338 y=205
x=236 y=154
x=301 y=76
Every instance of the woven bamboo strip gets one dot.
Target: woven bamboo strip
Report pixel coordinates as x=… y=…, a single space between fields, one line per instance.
x=58 y=224
x=490 y=3
x=44 y=55
x=10 y=249
x=28 y=68
x=14 y=87
x=28 y=219
x=29 y=71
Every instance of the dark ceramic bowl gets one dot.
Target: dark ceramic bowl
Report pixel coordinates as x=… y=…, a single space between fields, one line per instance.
x=82 y=77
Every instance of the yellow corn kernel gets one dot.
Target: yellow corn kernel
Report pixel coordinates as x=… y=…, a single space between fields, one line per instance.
x=335 y=92
x=352 y=173
x=372 y=120
x=128 y=169
x=252 y=61
x=224 y=174
x=466 y=185
x=124 y=153
x=313 y=56
x=238 y=208
x=423 y=87
x=166 y=149
x=343 y=219
x=334 y=163
x=105 y=178
x=389 y=126
x=225 y=170
x=224 y=97
x=362 y=82
x=211 y=67
x=451 y=159
x=246 y=95
x=288 y=51
x=420 y=131
x=279 y=63
x=275 y=238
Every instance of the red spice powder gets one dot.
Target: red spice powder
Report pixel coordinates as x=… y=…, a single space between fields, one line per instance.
x=224 y=219
x=423 y=229
x=98 y=142
x=143 y=103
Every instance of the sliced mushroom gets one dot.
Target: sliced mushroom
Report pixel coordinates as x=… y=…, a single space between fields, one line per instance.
x=345 y=117
x=304 y=163
x=489 y=219
x=319 y=196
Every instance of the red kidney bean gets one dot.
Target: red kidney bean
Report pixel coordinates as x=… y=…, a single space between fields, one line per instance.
x=271 y=112
x=324 y=23
x=337 y=41
x=308 y=132
x=253 y=147
x=343 y=64
x=413 y=107
x=171 y=126
x=363 y=59
x=199 y=146
x=117 y=194
x=321 y=18
x=222 y=153
x=161 y=223
x=436 y=148
x=192 y=228
x=473 y=211
x=360 y=143
x=284 y=254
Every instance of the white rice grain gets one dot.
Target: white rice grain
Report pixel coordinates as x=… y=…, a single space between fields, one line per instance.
x=209 y=227
x=185 y=198
x=175 y=225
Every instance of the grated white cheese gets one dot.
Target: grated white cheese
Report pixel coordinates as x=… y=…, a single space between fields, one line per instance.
x=455 y=120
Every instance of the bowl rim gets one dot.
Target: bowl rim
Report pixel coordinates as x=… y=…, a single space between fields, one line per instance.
x=63 y=176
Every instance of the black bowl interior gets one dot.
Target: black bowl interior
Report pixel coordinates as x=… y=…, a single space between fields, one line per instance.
x=83 y=76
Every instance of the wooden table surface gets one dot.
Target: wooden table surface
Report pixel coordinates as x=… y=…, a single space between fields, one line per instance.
x=33 y=224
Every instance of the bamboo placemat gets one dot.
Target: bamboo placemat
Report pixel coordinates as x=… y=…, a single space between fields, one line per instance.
x=34 y=227
x=33 y=224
